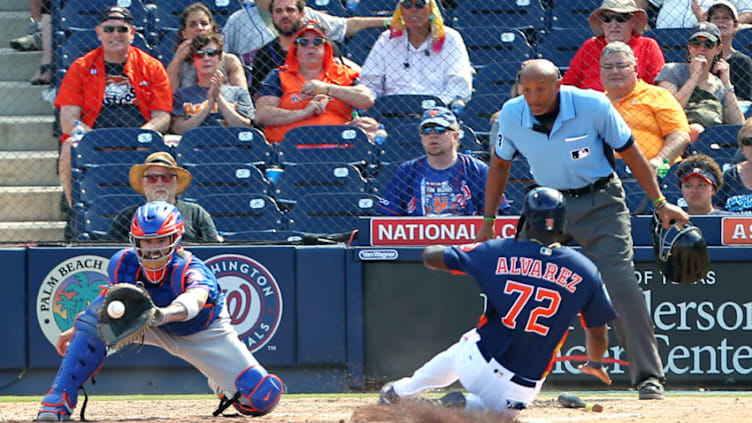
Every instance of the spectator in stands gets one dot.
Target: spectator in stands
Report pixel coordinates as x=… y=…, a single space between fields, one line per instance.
x=699 y=178
x=310 y=89
x=724 y=15
x=657 y=120
x=210 y=102
x=615 y=20
x=707 y=99
x=419 y=55
x=441 y=183
x=195 y=20
x=736 y=193
x=114 y=85
x=161 y=179
x=687 y=13
x=38 y=37
x=249 y=28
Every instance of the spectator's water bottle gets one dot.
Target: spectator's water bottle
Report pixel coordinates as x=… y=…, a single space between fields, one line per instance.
x=78 y=131
x=352 y=5
x=662 y=170
x=458 y=105
x=380 y=136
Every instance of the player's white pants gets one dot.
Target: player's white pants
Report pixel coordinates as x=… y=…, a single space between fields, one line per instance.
x=488 y=382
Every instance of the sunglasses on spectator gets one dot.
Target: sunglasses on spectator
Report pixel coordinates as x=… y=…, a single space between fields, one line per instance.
x=696 y=42
x=166 y=178
x=617 y=66
x=420 y=4
x=111 y=28
x=212 y=52
x=315 y=42
x=746 y=141
x=438 y=130
x=618 y=17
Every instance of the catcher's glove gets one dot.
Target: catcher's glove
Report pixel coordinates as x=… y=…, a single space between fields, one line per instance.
x=140 y=312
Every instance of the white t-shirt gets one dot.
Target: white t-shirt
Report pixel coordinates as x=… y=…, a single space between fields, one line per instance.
x=678 y=13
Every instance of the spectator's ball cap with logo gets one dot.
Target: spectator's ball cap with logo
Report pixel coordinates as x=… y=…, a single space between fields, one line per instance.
x=117 y=13
x=703 y=173
x=160 y=158
x=728 y=5
x=706 y=30
x=440 y=116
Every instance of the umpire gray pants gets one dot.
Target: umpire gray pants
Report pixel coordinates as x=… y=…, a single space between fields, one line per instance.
x=599 y=221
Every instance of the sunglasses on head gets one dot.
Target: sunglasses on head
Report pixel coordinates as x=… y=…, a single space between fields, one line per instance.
x=698 y=42
x=111 y=28
x=746 y=141
x=435 y=129
x=407 y=4
x=618 y=17
x=212 y=52
x=316 y=42
x=166 y=178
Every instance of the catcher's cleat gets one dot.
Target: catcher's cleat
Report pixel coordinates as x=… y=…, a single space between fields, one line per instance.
x=54 y=413
x=388 y=396
x=454 y=399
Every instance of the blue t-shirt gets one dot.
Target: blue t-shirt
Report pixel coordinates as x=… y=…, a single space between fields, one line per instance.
x=532 y=295
x=417 y=189
x=189 y=101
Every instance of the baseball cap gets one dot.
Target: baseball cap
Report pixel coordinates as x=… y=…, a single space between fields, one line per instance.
x=312 y=26
x=702 y=173
x=117 y=13
x=729 y=5
x=707 y=30
x=439 y=116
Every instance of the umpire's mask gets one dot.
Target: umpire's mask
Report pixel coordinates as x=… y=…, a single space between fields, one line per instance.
x=681 y=254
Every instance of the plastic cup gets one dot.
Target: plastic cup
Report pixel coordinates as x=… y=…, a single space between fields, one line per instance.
x=273 y=173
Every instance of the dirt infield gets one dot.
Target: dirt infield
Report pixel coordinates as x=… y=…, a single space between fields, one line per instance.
x=679 y=407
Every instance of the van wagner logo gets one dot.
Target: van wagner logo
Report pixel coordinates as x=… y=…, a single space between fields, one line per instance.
x=254 y=299
x=67 y=290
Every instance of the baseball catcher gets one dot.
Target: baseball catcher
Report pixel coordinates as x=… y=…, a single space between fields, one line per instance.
x=161 y=295
x=534 y=288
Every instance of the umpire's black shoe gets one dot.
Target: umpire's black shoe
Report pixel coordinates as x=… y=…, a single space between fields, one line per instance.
x=454 y=399
x=650 y=389
x=388 y=396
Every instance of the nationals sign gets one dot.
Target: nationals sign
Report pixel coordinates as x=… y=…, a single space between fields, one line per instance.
x=434 y=230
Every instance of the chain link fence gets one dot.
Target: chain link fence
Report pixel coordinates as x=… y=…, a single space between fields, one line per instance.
x=318 y=180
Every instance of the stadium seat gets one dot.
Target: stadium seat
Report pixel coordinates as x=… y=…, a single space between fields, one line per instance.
x=165 y=47
x=502 y=13
x=326 y=143
x=373 y=8
x=220 y=144
x=383 y=174
x=560 y=45
x=80 y=42
x=98 y=180
x=84 y=14
x=488 y=44
x=331 y=213
x=622 y=169
x=393 y=110
x=718 y=142
x=95 y=218
x=167 y=15
x=743 y=41
x=638 y=201
x=496 y=77
x=670 y=187
x=242 y=212
x=573 y=14
x=673 y=42
x=299 y=180
x=515 y=193
x=404 y=143
x=271 y=236
x=478 y=111
x=359 y=45
x=332 y=7
x=520 y=170
x=116 y=145
x=224 y=178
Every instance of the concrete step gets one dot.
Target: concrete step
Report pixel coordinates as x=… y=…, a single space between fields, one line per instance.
x=13 y=25
x=16 y=65
x=27 y=133
x=26 y=232
x=22 y=98
x=15 y=5
x=30 y=203
x=28 y=168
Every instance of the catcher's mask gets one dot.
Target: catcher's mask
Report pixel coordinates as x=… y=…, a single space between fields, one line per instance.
x=156 y=231
x=680 y=252
x=543 y=215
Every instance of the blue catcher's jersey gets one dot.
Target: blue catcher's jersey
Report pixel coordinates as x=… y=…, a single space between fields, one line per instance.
x=532 y=295
x=183 y=272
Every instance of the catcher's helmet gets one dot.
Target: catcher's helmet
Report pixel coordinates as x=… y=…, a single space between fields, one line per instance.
x=684 y=259
x=152 y=223
x=543 y=214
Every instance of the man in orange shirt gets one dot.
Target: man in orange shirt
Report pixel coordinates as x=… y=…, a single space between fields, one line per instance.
x=115 y=85
x=657 y=120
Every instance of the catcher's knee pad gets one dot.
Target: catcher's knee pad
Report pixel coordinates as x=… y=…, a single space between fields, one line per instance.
x=259 y=392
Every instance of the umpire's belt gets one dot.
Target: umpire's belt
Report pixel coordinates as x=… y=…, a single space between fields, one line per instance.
x=577 y=192
x=522 y=381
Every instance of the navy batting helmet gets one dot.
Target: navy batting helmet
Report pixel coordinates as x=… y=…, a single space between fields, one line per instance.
x=683 y=259
x=543 y=214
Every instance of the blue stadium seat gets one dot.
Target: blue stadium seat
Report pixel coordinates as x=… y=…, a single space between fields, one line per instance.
x=299 y=180
x=98 y=180
x=373 y=8
x=515 y=193
x=673 y=42
x=670 y=186
x=331 y=213
x=573 y=14
x=383 y=174
x=560 y=45
x=718 y=142
x=271 y=236
x=502 y=13
x=393 y=110
x=496 y=77
x=220 y=144
x=743 y=41
x=488 y=44
x=326 y=143
x=164 y=49
x=622 y=169
x=520 y=170
x=84 y=14
x=80 y=42
x=478 y=111
x=404 y=143
x=360 y=44
x=224 y=178
x=638 y=201
x=242 y=212
x=168 y=13
x=332 y=7
x=116 y=145
x=95 y=218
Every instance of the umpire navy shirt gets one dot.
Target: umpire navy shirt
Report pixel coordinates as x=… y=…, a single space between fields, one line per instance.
x=573 y=154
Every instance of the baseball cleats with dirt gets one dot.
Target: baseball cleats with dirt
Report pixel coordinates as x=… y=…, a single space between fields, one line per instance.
x=388 y=396
x=53 y=414
x=454 y=399
x=650 y=389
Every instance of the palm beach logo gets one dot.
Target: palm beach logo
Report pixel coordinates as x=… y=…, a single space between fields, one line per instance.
x=67 y=290
x=253 y=298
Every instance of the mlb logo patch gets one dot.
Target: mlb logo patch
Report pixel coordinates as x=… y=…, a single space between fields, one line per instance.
x=580 y=153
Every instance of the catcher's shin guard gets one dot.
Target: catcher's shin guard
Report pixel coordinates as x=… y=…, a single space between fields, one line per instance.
x=85 y=355
x=259 y=392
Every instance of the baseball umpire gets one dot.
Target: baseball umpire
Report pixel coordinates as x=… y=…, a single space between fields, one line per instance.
x=533 y=290
x=190 y=321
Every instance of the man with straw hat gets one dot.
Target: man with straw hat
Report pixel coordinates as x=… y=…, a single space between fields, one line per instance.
x=615 y=20
x=161 y=179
